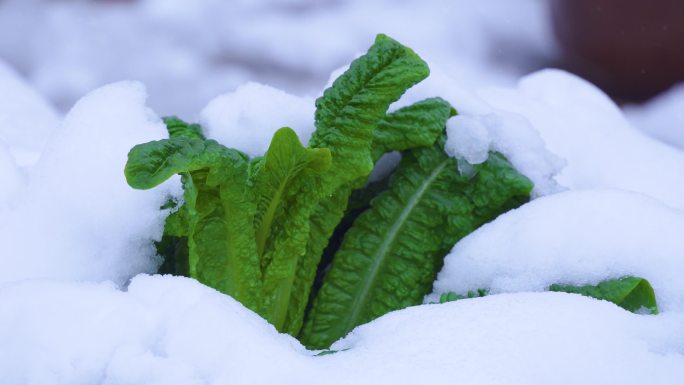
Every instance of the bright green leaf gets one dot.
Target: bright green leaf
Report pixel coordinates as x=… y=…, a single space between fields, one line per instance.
x=631 y=293
x=417 y=125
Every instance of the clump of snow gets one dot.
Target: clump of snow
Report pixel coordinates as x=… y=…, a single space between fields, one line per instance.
x=77 y=217
x=583 y=126
x=170 y=330
x=471 y=137
x=26 y=119
x=662 y=117
x=468 y=139
x=247 y=118
x=575 y=237
x=480 y=127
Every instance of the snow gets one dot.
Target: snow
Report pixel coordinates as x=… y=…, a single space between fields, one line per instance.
x=524 y=338
x=247 y=118
x=76 y=217
x=468 y=139
x=162 y=330
x=170 y=330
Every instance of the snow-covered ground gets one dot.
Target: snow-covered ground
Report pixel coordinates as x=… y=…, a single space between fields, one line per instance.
x=77 y=305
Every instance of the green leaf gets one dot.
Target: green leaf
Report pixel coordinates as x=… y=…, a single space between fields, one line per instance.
x=178 y=128
x=152 y=163
x=174 y=244
x=176 y=223
x=349 y=111
x=287 y=188
x=346 y=116
x=285 y=173
x=215 y=182
x=631 y=293
x=391 y=255
x=222 y=241
x=416 y=125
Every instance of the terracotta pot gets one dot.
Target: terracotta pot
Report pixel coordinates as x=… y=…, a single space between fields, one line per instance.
x=633 y=49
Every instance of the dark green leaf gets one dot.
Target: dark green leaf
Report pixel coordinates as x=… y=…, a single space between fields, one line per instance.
x=391 y=255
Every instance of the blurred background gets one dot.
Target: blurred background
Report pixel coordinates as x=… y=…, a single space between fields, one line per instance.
x=187 y=52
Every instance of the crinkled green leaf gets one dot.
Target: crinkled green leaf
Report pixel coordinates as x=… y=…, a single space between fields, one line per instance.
x=346 y=116
x=417 y=125
x=215 y=180
x=178 y=128
x=152 y=163
x=174 y=244
x=285 y=173
x=391 y=255
x=631 y=293
x=222 y=239
x=287 y=189
x=349 y=111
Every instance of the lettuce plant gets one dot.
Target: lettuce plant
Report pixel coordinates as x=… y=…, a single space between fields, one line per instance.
x=256 y=227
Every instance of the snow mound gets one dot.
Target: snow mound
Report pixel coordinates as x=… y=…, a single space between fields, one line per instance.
x=170 y=330
x=575 y=237
x=524 y=338
x=163 y=330
x=582 y=125
x=247 y=118
x=77 y=217
x=26 y=119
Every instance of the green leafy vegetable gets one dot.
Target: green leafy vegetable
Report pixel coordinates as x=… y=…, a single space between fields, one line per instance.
x=255 y=228
x=630 y=293
x=391 y=255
